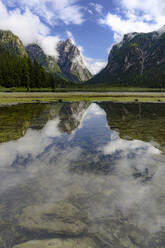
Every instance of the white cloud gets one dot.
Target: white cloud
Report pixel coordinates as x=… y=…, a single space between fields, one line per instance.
x=129 y=146
x=71 y=14
x=136 y=16
x=49 y=44
x=94 y=65
x=53 y=11
x=94 y=110
x=25 y=20
x=155 y=8
x=90 y=11
x=97 y=7
x=32 y=143
x=70 y=36
x=28 y=27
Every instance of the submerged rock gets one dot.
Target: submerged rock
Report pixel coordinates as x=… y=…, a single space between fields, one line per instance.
x=59 y=243
x=60 y=218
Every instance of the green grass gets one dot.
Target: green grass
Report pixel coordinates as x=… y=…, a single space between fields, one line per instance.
x=8 y=98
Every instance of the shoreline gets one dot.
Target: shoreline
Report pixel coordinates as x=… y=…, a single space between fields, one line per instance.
x=113 y=93
x=13 y=98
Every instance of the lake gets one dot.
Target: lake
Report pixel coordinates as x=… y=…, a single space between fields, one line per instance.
x=82 y=175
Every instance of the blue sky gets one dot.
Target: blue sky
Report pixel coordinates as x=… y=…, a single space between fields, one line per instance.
x=93 y=25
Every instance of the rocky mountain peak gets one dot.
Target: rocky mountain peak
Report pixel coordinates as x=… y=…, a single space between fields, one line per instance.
x=130 y=36
x=35 y=52
x=71 y=62
x=69 y=65
x=11 y=43
x=139 y=59
x=69 y=42
x=161 y=30
x=68 y=49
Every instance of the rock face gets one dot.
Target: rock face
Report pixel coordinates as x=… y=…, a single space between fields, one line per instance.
x=69 y=66
x=71 y=62
x=11 y=43
x=35 y=52
x=138 y=59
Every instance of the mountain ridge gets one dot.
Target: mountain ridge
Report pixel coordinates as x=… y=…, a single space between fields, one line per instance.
x=68 y=66
x=138 y=60
x=11 y=43
x=35 y=52
x=71 y=62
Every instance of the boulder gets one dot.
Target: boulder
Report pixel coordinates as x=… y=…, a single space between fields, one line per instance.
x=59 y=243
x=52 y=218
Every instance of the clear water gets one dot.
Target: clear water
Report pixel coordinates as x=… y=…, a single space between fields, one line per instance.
x=87 y=173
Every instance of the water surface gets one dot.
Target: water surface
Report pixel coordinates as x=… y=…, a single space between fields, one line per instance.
x=82 y=175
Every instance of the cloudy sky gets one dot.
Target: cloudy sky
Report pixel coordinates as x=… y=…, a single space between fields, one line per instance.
x=93 y=25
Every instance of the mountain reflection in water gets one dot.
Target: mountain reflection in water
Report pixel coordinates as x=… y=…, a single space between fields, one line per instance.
x=82 y=175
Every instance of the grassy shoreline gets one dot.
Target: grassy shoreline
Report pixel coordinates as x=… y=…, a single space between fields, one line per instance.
x=82 y=88
x=32 y=97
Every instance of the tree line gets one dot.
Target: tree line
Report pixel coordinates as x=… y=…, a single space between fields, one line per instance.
x=16 y=71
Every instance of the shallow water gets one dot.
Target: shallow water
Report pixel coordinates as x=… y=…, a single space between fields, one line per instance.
x=82 y=175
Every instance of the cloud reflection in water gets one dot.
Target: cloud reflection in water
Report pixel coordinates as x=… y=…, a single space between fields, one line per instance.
x=71 y=167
